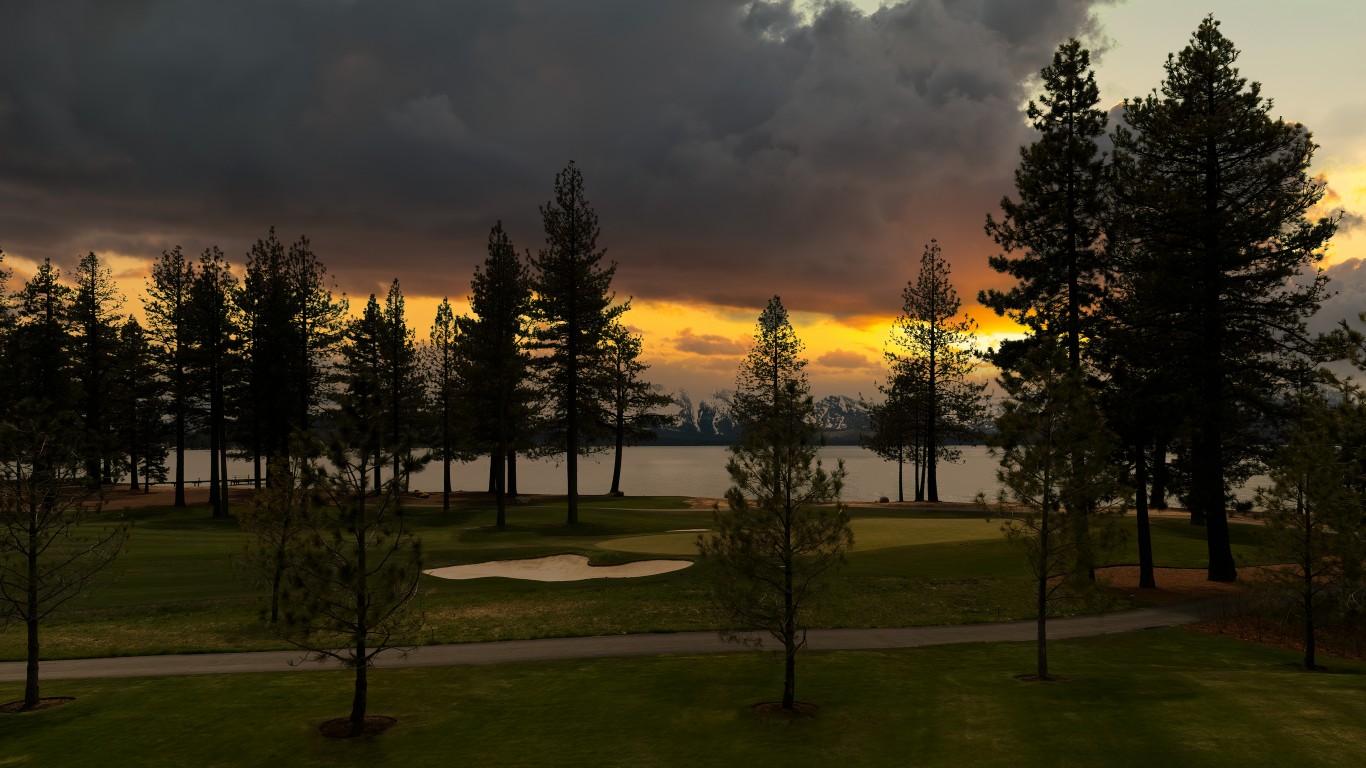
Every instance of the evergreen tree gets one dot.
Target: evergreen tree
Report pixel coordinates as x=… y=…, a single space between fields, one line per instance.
x=1211 y=199
x=402 y=385
x=167 y=307
x=1056 y=473
x=495 y=379
x=937 y=346
x=634 y=402
x=95 y=309
x=1314 y=522
x=214 y=322
x=319 y=327
x=39 y=366
x=137 y=404
x=353 y=571
x=1056 y=223
x=573 y=310
x=442 y=358
x=783 y=527
x=897 y=423
x=268 y=398
x=363 y=367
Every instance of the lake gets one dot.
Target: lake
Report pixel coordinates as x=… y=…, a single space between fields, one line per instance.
x=691 y=470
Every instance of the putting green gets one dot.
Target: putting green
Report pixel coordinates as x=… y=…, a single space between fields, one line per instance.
x=869 y=533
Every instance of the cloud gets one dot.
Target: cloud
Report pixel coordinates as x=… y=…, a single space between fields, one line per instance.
x=708 y=344
x=732 y=149
x=839 y=358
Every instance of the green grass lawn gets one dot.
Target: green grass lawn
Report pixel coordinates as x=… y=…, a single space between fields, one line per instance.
x=1169 y=698
x=175 y=589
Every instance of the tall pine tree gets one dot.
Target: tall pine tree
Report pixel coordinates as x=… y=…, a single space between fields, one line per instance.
x=1211 y=200
x=573 y=310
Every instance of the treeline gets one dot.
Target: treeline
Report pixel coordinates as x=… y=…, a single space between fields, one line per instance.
x=257 y=357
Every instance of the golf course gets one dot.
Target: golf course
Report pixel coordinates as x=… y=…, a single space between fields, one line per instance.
x=1173 y=695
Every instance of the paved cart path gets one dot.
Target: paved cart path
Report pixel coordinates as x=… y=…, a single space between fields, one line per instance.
x=619 y=645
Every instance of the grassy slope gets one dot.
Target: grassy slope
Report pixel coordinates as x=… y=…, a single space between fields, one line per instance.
x=1170 y=697
x=175 y=588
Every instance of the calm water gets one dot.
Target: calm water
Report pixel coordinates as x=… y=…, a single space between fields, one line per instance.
x=692 y=471
x=668 y=470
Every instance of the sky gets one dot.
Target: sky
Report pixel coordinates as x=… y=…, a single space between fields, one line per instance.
x=733 y=150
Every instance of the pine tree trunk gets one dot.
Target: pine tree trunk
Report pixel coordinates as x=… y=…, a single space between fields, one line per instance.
x=616 y=463
x=1146 y=579
x=180 y=436
x=31 y=621
x=511 y=489
x=1041 y=605
x=499 y=495
x=900 y=474
x=493 y=471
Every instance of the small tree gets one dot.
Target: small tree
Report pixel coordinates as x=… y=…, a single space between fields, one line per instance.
x=51 y=545
x=351 y=579
x=897 y=424
x=276 y=520
x=633 y=402
x=783 y=527
x=1055 y=451
x=1315 y=517
x=937 y=347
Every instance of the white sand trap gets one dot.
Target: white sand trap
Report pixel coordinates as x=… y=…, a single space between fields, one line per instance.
x=558 y=568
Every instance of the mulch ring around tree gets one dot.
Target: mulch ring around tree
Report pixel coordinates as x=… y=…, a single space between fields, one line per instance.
x=1037 y=679
x=798 y=709
x=47 y=703
x=341 y=728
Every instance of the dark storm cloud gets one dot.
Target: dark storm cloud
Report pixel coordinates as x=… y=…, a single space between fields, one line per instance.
x=732 y=149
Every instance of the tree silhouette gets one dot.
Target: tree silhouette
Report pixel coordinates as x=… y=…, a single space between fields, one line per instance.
x=1056 y=223
x=573 y=310
x=51 y=544
x=495 y=379
x=1056 y=469
x=167 y=307
x=783 y=527
x=353 y=572
x=95 y=307
x=214 y=320
x=634 y=402
x=937 y=349
x=1211 y=197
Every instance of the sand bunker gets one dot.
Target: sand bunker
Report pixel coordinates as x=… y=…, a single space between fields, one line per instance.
x=558 y=568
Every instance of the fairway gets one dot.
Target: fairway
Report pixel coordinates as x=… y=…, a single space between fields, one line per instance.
x=870 y=533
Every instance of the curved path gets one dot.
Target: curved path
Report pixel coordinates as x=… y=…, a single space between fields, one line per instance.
x=620 y=645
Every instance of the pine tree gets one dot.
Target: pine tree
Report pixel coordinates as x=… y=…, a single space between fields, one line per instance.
x=937 y=344
x=1211 y=200
x=495 y=380
x=1314 y=523
x=363 y=370
x=1056 y=223
x=634 y=402
x=573 y=310
x=214 y=320
x=1056 y=472
x=167 y=307
x=95 y=309
x=783 y=527
x=442 y=360
x=137 y=405
x=401 y=385
x=39 y=367
x=897 y=423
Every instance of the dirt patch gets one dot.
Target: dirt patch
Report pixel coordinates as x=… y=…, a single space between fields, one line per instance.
x=1174 y=585
x=342 y=728
x=776 y=708
x=47 y=703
